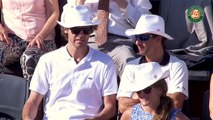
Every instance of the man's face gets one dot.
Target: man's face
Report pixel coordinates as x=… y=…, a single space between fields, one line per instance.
x=146 y=44
x=78 y=36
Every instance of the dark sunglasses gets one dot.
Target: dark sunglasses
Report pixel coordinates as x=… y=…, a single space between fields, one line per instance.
x=86 y=30
x=147 y=90
x=145 y=37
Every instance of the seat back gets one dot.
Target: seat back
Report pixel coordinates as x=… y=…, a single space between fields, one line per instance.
x=13 y=94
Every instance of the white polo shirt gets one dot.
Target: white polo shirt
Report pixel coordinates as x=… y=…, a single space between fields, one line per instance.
x=176 y=82
x=74 y=91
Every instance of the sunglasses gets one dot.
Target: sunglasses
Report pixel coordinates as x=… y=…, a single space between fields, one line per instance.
x=85 y=30
x=145 y=37
x=147 y=90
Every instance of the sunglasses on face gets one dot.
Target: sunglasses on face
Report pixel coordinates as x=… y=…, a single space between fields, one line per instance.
x=85 y=30
x=147 y=90
x=145 y=37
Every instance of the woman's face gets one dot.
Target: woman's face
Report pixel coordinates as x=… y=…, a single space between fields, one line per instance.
x=150 y=96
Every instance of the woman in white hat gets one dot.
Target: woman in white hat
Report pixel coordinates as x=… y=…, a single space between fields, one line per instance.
x=151 y=88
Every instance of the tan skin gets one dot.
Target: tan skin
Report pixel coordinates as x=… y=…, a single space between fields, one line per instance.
x=77 y=48
x=153 y=52
x=38 y=40
x=211 y=98
x=149 y=103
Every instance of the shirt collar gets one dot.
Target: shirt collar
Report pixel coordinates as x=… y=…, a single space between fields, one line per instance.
x=86 y=58
x=163 y=62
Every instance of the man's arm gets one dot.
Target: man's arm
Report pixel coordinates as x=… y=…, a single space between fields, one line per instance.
x=126 y=102
x=178 y=99
x=109 y=109
x=211 y=98
x=178 y=84
x=31 y=106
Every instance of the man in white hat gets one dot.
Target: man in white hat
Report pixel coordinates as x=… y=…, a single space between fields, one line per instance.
x=75 y=82
x=149 y=37
x=123 y=15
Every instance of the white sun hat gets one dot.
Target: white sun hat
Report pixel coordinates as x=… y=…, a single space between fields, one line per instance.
x=74 y=16
x=149 y=23
x=147 y=74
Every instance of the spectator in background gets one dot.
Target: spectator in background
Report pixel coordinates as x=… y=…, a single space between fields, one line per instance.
x=150 y=37
x=211 y=98
x=123 y=15
x=76 y=81
x=151 y=88
x=27 y=32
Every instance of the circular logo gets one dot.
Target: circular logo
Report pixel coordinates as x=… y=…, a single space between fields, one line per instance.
x=195 y=14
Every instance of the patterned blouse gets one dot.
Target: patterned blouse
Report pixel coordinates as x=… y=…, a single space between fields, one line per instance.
x=139 y=114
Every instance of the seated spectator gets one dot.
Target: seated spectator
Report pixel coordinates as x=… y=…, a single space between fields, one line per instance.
x=76 y=81
x=151 y=88
x=150 y=37
x=211 y=98
x=27 y=32
x=123 y=15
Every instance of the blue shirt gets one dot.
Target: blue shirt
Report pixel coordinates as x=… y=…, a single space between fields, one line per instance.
x=139 y=114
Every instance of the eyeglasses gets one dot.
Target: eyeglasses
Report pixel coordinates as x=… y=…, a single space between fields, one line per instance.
x=86 y=30
x=147 y=90
x=145 y=37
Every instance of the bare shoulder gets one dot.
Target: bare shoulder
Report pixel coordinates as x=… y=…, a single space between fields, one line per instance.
x=126 y=114
x=181 y=116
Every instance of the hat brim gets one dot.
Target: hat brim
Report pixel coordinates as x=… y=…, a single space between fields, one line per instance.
x=131 y=32
x=140 y=86
x=93 y=23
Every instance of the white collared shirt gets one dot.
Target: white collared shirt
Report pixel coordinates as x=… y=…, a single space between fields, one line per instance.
x=74 y=91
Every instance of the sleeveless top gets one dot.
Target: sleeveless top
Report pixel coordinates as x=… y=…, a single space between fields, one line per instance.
x=139 y=114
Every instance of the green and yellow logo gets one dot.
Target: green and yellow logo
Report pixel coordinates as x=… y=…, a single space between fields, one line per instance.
x=195 y=13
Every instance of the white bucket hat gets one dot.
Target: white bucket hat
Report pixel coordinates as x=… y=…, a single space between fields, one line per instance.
x=73 y=16
x=149 y=23
x=147 y=74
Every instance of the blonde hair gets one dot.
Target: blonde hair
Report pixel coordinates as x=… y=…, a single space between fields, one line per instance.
x=166 y=103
